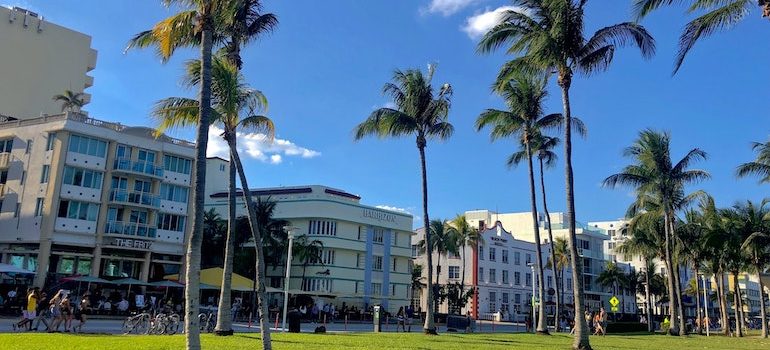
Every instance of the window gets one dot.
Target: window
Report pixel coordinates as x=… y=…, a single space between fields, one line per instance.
x=78 y=210
x=376 y=288
x=584 y=244
x=28 y=149
x=528 y=279
x=415 y=250
x=492 y=276
x=516 y=258
x=394 y=238
x=142 y=186
x=481 y=253
x=611 y=245
x=517 y=278
x=505 y=256
x=6 y=146
x=529 y=258
x=45 y=173
x=481 y=274
x=377 y=263
x=173 y=193
x=359 y=260
x=392 y=289
x=146 y=156
x=454 y=272
x=221 y=167
x=611 y=233
x=180 y=165
x=88 y=146
x=504 y=303
x=82 y=177
x=394 y=266
x=378 y=235
x=549 y=281
x=517 y=298
x=569 y=284
x=320 y=227
x=170 y=222
x=39 y=207
x=492 y=252
x=492 y=301
x=50 y=142
x=327 y=257
x=317 y=284
x=17 y=210
x=359 y=234
x=3 y=176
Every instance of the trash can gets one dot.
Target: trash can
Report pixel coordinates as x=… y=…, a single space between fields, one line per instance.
x=294 y=318
x=376 y=319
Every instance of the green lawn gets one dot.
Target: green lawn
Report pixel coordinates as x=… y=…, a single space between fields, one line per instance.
x=38 y=341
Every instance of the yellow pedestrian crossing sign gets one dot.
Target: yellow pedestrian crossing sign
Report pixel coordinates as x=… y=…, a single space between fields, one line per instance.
x=614 y=302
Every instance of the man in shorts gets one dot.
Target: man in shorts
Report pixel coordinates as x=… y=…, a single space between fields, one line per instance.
x=28 y=313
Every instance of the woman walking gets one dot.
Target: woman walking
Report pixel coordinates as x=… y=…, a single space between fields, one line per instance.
x=55 y=308
x=80 y=313
x=401 y=319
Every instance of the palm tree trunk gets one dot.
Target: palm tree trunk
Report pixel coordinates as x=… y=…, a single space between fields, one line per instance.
x=737 y=305
x=462 y=282
x=556 y=317
x=224 y=315
x=697 y=300
x=680 y=305
x=742 y=322
x=429 y=327
x=648 y=304
x=722 y=294
x=437 y=285
x=264 y=323
x=193 y=254
x=762 y=312
x=541 y=326
x=670 y=278
x=581 y=341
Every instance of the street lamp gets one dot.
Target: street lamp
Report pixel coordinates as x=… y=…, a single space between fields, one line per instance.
x=290 y=232
x=534 y=309
x=705 y=306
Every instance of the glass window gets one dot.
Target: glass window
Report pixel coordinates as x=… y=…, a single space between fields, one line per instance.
x=87 y=145
x=44 y=174
x=39 y=207
x=517 y=258
x=377 y=264
x=50 y=142
x=6 y=146
x=492 y=254
x=492 y=276
x=66 y=265
x=505 y=256
x=84 y=266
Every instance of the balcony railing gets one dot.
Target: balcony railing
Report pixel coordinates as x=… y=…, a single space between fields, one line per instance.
x=130 y=229
x=5 y=159
x=145 y=168
x=141 y=198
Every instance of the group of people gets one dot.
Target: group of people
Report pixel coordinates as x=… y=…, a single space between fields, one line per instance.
x=60 y=310
x=596 y=320
x=405 y=318
x=315 y=313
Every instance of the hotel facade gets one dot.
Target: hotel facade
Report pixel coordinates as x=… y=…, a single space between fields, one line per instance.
x=366 y=250
x=81 y=196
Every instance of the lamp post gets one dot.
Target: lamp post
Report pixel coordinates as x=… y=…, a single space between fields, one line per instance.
x=290 y=232
x=534 y=309
x=705 y=306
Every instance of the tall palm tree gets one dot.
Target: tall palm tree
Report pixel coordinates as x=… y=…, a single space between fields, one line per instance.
x=645 y=242
x=612 y=276
x=70 y=101
x=716 y=257
x=249 y=22
x=560 y=254
x=656 y=178
x=443 y=241
x=549 y=36
x=756 y=247
x=214 y=237
x=691 y=246
x=421 y=112
x=542 y=147
x=198 y=19
x=235 y=105
x=465 y=236
x=524 y=120
x=718 y=15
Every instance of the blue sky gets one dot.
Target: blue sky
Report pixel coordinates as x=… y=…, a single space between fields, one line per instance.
x=323 y=69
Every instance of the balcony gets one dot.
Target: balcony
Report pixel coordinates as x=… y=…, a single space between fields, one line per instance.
x=142 y=168
x=5 y=159
x=135 y=198
x=130 y=229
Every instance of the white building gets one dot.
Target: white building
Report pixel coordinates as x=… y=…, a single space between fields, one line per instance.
x=39 y=60
x=90 y=197
x=366 y=255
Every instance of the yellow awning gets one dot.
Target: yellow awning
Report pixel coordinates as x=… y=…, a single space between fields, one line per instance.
x=213 y=276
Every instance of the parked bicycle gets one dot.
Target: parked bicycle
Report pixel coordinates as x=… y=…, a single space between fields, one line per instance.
x=207 y=321
x=137 y=324
x=164 y=324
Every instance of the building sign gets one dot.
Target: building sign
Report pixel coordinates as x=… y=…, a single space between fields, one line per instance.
x=131 y=243
x=498 y=241
x=379 y=216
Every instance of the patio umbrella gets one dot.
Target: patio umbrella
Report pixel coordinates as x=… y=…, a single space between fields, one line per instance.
x=88 y=279
x=167 y=284
x=130 y=282
x=10 y=269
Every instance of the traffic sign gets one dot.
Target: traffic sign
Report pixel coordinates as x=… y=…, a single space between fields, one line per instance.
x=614 y=302
x=614 y=309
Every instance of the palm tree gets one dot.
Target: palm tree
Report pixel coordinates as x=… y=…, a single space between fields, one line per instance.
x=465 y=236
x=645 y=241
x=214 y=236
x=417 y=279
x=560 y=253
x=422 y=113
x=70 y=101
x=234 y=108
x=692 y=249
x=307 y=252
x=549 y=35
x=716 y=257
x=759 y=166
x=542 y=147
x=248 y=23
x=443 y=241
x=612 y=276
x=656 y=179
x=718 y=15
x=632 y=285
x=197 y=19
x=524 y=96
x=756 y=246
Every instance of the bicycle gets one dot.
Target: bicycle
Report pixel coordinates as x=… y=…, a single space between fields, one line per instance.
x=207 y=322
x=137 y=324
x=164 y=324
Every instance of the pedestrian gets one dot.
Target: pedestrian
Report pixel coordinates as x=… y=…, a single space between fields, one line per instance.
x=55 y=308
x=597 y=323
x=332 y=313
x=314 y=313
x=66 y=312
x=589 y=319
x=409 y=317
x=303 y=311
x=29 y=311
x=325 y=312
x=603 y=320
x=42 y=312
x=528 y=323
x=401 y=319
x=80 y=313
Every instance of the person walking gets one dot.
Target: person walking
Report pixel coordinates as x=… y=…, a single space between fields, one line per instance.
x=597 y=323
x=29 y=311
x=66 y=312
x=42 y=312
x=409 y=317
x=603 y=320
x=401 y=319
x=55 y=308
x=80 y=313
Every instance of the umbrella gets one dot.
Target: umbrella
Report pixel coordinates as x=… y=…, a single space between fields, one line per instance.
x=10 y=269
x=129 y=282
x=167 y=284
x=204 y=286
x=88 y=279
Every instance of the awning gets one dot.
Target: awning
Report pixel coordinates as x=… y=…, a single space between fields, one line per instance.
x=10 y=269
x=213 y=277
x=166 y=283
x=88 y=279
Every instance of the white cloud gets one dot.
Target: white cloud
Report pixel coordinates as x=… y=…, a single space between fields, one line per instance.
x=479 y=24
x=448 y=7
x=391 y=208
x=255 y=145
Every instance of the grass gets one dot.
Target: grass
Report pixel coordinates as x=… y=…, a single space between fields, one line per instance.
x=22 y=341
